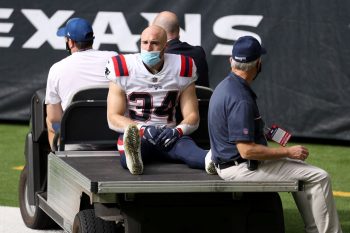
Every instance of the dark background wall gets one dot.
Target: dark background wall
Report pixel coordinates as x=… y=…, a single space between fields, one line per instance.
x=304 y=86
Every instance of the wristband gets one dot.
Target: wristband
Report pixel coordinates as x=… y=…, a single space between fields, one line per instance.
x=141 y=129
x=186 y=129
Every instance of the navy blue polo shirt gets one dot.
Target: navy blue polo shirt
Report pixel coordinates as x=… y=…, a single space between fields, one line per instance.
x=233 y=116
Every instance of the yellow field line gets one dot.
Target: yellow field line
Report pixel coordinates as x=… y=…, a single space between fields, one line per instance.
x=341 y=194
x=335 y=193
x=18 y=168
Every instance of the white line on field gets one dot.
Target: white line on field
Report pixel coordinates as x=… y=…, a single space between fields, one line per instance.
x=11 y=222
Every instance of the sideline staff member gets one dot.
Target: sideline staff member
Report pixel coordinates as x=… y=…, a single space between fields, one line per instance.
x=237 y=135
x=83 y=68
x=170 y=23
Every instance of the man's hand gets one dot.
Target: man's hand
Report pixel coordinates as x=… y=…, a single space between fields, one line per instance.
x=298 y=152
x=150 y=133
x=168 y=137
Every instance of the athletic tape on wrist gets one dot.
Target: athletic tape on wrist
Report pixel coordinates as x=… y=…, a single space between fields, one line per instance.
x=186 y=129
x=141 y=129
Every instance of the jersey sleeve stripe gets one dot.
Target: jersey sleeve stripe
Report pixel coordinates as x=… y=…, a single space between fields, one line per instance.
x=186 y=66
x=190 y=61
x=116 y=67
x=125 y=68
x=120 y=67
x=182 y=71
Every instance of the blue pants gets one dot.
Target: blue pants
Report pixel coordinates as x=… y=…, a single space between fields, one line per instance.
x=185 y=150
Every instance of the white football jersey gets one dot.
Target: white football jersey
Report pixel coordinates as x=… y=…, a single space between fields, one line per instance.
x=152 y=98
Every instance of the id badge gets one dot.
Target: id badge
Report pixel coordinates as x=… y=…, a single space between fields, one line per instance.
x=278 y=135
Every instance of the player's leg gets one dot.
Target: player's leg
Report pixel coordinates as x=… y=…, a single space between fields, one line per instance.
x=129 y=146
x=188 y=152
x=121 y=151
x=132 y=150
x=147 y=151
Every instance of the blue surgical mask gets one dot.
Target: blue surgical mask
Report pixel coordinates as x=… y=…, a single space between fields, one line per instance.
x=150 y=58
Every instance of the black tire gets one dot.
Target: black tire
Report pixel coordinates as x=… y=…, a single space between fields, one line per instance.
x=32 y=215
x=86 y=222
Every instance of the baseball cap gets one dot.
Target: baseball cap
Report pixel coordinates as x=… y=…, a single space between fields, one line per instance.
x=247 y=49
x=77 y=29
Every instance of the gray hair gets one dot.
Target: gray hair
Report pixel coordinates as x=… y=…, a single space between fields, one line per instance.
x=244 y=66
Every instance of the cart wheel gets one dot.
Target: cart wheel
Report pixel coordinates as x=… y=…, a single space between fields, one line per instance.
x=86 y=222
x=32 y=215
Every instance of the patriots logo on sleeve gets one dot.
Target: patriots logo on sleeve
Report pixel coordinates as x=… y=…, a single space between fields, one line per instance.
x=107 y=72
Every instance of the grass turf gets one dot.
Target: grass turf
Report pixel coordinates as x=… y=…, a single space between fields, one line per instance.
x=334 y=159
x=12 y=139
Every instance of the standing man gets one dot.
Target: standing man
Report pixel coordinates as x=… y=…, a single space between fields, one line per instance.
x=237 y=136
x=169 y=22
x=83 y=68
x=144 y=91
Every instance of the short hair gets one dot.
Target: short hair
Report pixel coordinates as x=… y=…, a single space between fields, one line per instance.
x=244 y=66
x=85 y=44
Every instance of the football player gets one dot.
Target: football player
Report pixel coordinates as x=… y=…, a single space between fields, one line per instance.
x=144 y=91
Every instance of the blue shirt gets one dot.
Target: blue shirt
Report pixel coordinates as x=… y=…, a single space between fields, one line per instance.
x=233 y=116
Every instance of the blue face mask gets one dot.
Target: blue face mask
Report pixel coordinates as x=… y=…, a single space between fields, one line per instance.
x=150 y=58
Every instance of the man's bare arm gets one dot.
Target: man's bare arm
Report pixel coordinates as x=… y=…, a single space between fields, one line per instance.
x=54 y=114
x=116 y=107
x=250 y=150
x=189 y=106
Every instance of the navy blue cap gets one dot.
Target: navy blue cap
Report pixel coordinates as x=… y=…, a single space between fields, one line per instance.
x=247 y=49
x=77 y=29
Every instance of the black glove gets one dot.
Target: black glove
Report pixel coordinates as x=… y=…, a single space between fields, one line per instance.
x=150 y=133
x=168 y=137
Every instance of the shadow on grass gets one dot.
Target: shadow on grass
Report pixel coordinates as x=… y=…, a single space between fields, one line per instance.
x=344 y=216
x=292 y=221
x=294 y=224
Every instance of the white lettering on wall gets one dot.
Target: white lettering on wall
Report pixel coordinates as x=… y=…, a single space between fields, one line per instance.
x=149 y=17
x=224 y=28
x=46 y=28
x=5 y=41
x=112 y=28
x=121 y=34
x=192 y=34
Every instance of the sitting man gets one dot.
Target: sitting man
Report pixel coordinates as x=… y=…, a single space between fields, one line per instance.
x=83 y=68
x=240 y=149
x=144 y=91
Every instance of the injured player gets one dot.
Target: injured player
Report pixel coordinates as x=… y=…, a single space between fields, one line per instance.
x=144 y=91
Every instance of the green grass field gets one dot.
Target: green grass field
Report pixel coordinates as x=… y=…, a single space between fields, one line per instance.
x=334 y=159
